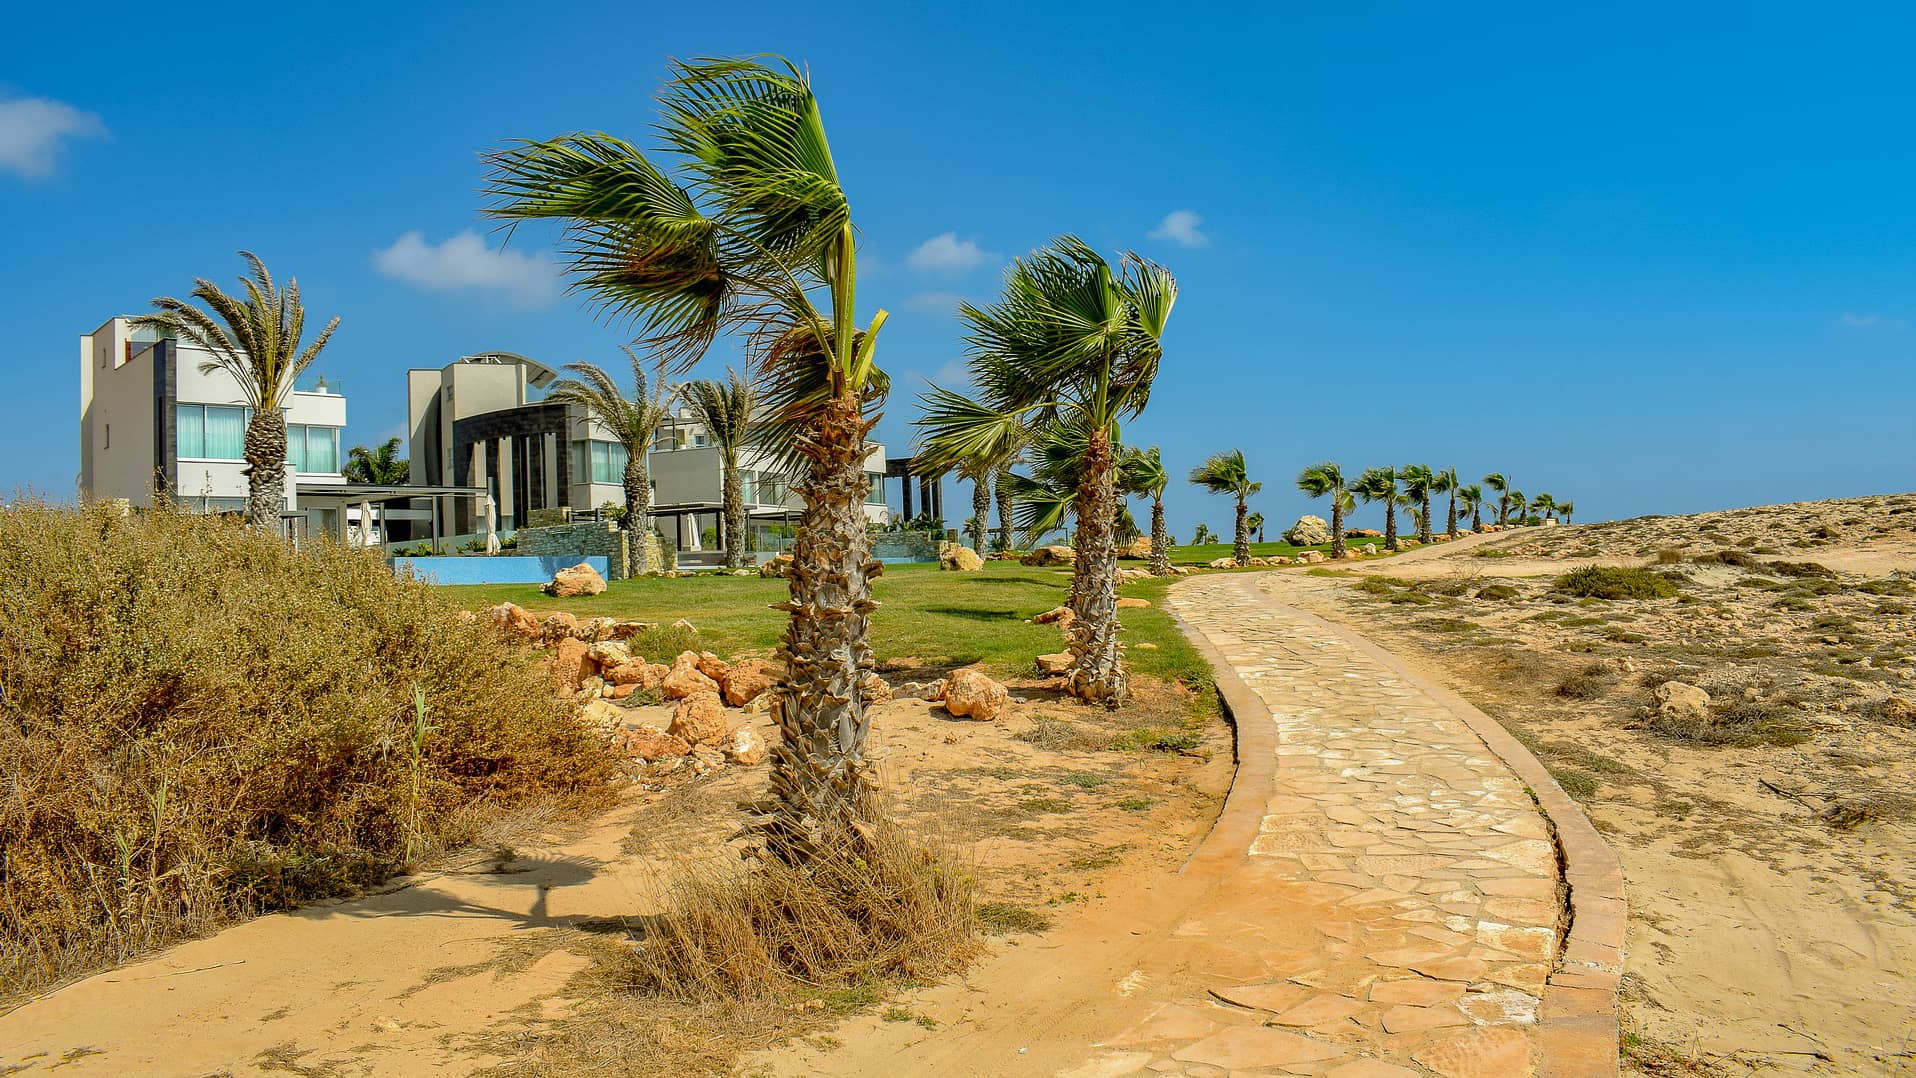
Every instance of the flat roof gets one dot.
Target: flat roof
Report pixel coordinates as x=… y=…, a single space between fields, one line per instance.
x=378 y=491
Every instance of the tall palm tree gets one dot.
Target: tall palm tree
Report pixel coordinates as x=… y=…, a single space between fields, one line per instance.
x=1418 y=482
x=1498 y=482
x=1472 y=497
x=1327 y=479
x=1445 y=482
x=1380 y=485
x=633 y=422
x=979 y=473
x=1545 y=504
x=1225 y=473
x=1148 y=477
x=751 y=230
x=381 y=466
x=1071 y=335
x=256 y=339
x=1564 y=509
x=725 y=410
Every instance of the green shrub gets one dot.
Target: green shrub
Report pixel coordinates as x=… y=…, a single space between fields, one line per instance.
x=1799 y=568
x=1497 y=592
x=1613 y=582
x=199 y=721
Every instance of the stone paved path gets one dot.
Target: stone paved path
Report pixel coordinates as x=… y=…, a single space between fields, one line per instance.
x=1420 y=872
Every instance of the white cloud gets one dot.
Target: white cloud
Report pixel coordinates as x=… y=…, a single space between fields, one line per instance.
x=465 y=262
x=1868 y=321
x=32 y=129
x=947 y=254
x=935 y=302
x=1181 y=228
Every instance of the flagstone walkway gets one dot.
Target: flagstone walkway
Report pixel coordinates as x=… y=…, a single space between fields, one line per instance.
x=1437 y=932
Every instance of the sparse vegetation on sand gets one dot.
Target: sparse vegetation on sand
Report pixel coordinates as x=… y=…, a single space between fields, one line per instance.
x=1614 y=582
x=200 y=722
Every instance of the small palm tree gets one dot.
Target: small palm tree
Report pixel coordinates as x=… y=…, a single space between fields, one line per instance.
x=633 y=422
x=1545 y=504
x=750 y=229
x=1472 y=498
x=979 y=473
x=1202 y=536
x=1445 y=482
x=381 y=466
x=1418 y=482
x=1256 y=523
x=1500 y=483
x=1564 y=509
x=1519 y=505
x=1148 y=477
x=1326 y=479
x=256 y=340
x=1225 y=473
x=1380 y=485
x=725 y=410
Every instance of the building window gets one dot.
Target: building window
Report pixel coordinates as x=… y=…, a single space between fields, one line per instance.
x=876 y=496
x=109 y=437
x=211 y=431
x=314 y=450
x=598 y=462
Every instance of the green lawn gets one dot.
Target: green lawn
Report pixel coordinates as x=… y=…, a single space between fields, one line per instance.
x=941 y=619
x=1210 y=552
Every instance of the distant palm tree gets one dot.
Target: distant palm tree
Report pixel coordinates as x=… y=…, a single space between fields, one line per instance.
x=633 y=422
x=979 y=474
x=1256 y=523
x=382 y=466
x=1202 y=536
x=1565 y=509
x=724 y=409
x=1519 y=505
x=1418 y=480
x=1327 y=479
x=1498 y=482
x=1225 y=473
x=258 y=345
x=1545 y=504
x=1445 y=482
x=1380 y=485
x=1150 y=478
x=1472 y=497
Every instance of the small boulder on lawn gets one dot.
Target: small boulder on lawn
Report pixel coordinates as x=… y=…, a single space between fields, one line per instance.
x=700 y=719
x=1308 y=531
x=961 y=559
x=1054 y=664
x=1063 y=616
x=1050 y=555
x=581 y=579
x=969 y=694
x=1129 y=602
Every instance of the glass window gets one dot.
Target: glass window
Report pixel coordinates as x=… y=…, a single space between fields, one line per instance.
x=322 y=449
x=771 y=489
x=190 y=421
x=578 y=463
x=608 y=462
x=210 y=431
x=296 y=446
x=747 y=485
x=877 y=494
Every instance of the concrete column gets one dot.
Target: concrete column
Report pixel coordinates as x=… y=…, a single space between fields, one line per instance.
x=905 y=482
x=481 y=477
x=553 y=498
x=508 y=507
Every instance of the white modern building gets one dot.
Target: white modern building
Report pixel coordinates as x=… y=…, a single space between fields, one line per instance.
x=151 y=422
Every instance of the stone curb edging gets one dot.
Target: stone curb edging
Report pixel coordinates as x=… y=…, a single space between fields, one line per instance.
x=1577 y=1027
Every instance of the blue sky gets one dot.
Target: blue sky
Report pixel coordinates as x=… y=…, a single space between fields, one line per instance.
x=1653 y=258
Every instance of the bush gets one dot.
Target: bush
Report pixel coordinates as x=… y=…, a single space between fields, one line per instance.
x=1593 y=680
x=1612 y=582
x=1497 y=592
x=200 y=722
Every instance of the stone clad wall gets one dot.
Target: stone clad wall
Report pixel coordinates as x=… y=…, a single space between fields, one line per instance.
x=601 y=540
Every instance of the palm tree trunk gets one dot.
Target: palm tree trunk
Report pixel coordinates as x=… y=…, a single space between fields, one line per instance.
x=1337 y=523
x=1160 y=541
x=1390 y=525
x=1241 y=542
x=1423 y=519
x=1097 y=670
x=1477 y=518
x=638 y=508
x=1450 y=527
x=734 y=517
x=980 y=510
x=1004 y=510
x=1503 y=510
x=265 y=452
x=820 y=780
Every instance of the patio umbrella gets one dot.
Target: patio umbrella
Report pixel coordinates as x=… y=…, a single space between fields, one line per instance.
x=492 y=526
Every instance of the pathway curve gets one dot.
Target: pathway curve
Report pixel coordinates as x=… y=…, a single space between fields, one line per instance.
x=1398 y=831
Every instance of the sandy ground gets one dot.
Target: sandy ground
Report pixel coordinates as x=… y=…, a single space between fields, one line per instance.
x=1773 y=914
x=480 y=966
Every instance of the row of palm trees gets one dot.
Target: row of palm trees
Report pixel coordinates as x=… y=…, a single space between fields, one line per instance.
x=1411 y=488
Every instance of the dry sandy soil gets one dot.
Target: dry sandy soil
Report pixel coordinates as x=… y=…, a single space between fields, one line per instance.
x=495 y=963
x=1769 y=850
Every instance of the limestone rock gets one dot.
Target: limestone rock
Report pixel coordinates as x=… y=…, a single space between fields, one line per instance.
x=713 y=667
x=749 y=678
x=971 y=695
x=1370 y=548
x=609 y=653
x=1311 y=557
x=1127 y=602
x=569 y=665
x=1680 y=700
x=873 y=688
x=1054 y=664
x=1050 y=555
x=685 y=626
x=651 y=743
x=514 y=620
x=700 y=719
x=919 y=690
x=685 y=679
x=1362 y=533
x=1137 y=549
x=745 y=747
x=1062 y=616
x=581 y=579
x=1308 y=531
x=778 y=566
x=559 y=626
x=1224 y=563
x=961 y=559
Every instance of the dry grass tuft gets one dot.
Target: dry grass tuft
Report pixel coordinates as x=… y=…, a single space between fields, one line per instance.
x=199 y=722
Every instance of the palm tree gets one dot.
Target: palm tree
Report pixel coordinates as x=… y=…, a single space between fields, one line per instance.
x=1225 y=473
x=979 y=473
x=1255 y=522
x=382 y=466
x=1418 y=482
x=1326 y=478
x=1564 y=509
x=1445 y=482
x=753 y=232
x=1498 y=482
x=1545 y=504
x=1071 y=335
x=1380 y=485
x=633 y=423
x=1148 y=477
x=1472 y=497
x=1519 y=505
x=725 y=410
x=256 y=340
x=1202 y=536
